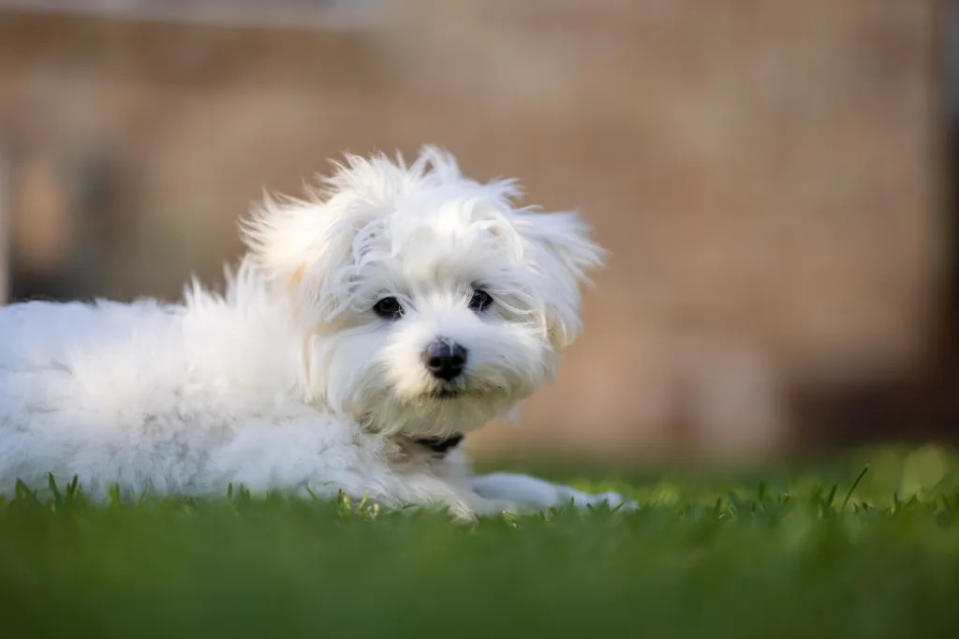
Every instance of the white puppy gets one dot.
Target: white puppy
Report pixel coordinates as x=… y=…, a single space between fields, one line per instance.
x=370 y=326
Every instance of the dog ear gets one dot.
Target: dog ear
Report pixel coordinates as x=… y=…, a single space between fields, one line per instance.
x=300 y=245
x=307 y=245
x=562 y=253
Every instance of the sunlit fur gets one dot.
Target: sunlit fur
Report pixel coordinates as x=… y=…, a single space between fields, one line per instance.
x=289 y=380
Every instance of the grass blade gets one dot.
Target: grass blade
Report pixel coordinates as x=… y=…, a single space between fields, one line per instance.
x=852 y=489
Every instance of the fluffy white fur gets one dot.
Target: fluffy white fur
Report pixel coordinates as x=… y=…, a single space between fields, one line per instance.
x=289 y=380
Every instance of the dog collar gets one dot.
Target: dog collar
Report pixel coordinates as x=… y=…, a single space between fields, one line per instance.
x=440 y=444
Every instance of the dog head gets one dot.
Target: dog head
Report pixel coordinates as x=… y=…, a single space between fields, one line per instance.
x=429 y=303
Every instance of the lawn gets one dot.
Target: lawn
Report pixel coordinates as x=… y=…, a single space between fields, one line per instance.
x=802 y=551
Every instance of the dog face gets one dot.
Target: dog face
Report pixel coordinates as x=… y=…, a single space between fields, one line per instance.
x=428 y=303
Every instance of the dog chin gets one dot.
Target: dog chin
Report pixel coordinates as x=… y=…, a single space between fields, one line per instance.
x=440 y=412
x=450 y=392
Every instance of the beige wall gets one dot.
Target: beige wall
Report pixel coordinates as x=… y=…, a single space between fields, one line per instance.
x=5 y=212
x=764 y=175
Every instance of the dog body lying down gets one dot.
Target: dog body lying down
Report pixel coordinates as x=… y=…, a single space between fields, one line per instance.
x=370 y=326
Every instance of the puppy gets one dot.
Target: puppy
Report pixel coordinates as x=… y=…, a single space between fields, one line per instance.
x=371 y=325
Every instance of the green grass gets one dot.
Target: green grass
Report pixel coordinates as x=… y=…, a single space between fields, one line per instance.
x=801 y=553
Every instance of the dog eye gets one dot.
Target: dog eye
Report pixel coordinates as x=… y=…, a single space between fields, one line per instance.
x=480 y=300
x=388 y=308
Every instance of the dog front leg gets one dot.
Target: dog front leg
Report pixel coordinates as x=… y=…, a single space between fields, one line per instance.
x=402 y=490
x=531 y=493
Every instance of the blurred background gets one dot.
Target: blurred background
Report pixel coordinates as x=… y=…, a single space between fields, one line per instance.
x=775 y=182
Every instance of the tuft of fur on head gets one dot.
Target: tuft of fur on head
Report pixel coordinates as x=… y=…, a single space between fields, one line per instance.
x=428 y=237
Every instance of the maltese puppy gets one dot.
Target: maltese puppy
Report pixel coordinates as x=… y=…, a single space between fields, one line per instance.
x=370 y=327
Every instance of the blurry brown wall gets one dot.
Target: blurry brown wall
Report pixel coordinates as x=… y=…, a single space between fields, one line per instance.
x=765 y=175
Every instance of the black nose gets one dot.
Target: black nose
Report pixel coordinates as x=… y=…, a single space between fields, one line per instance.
x=444 y=359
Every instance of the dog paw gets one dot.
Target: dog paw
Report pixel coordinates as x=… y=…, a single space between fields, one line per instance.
x=530 y=493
